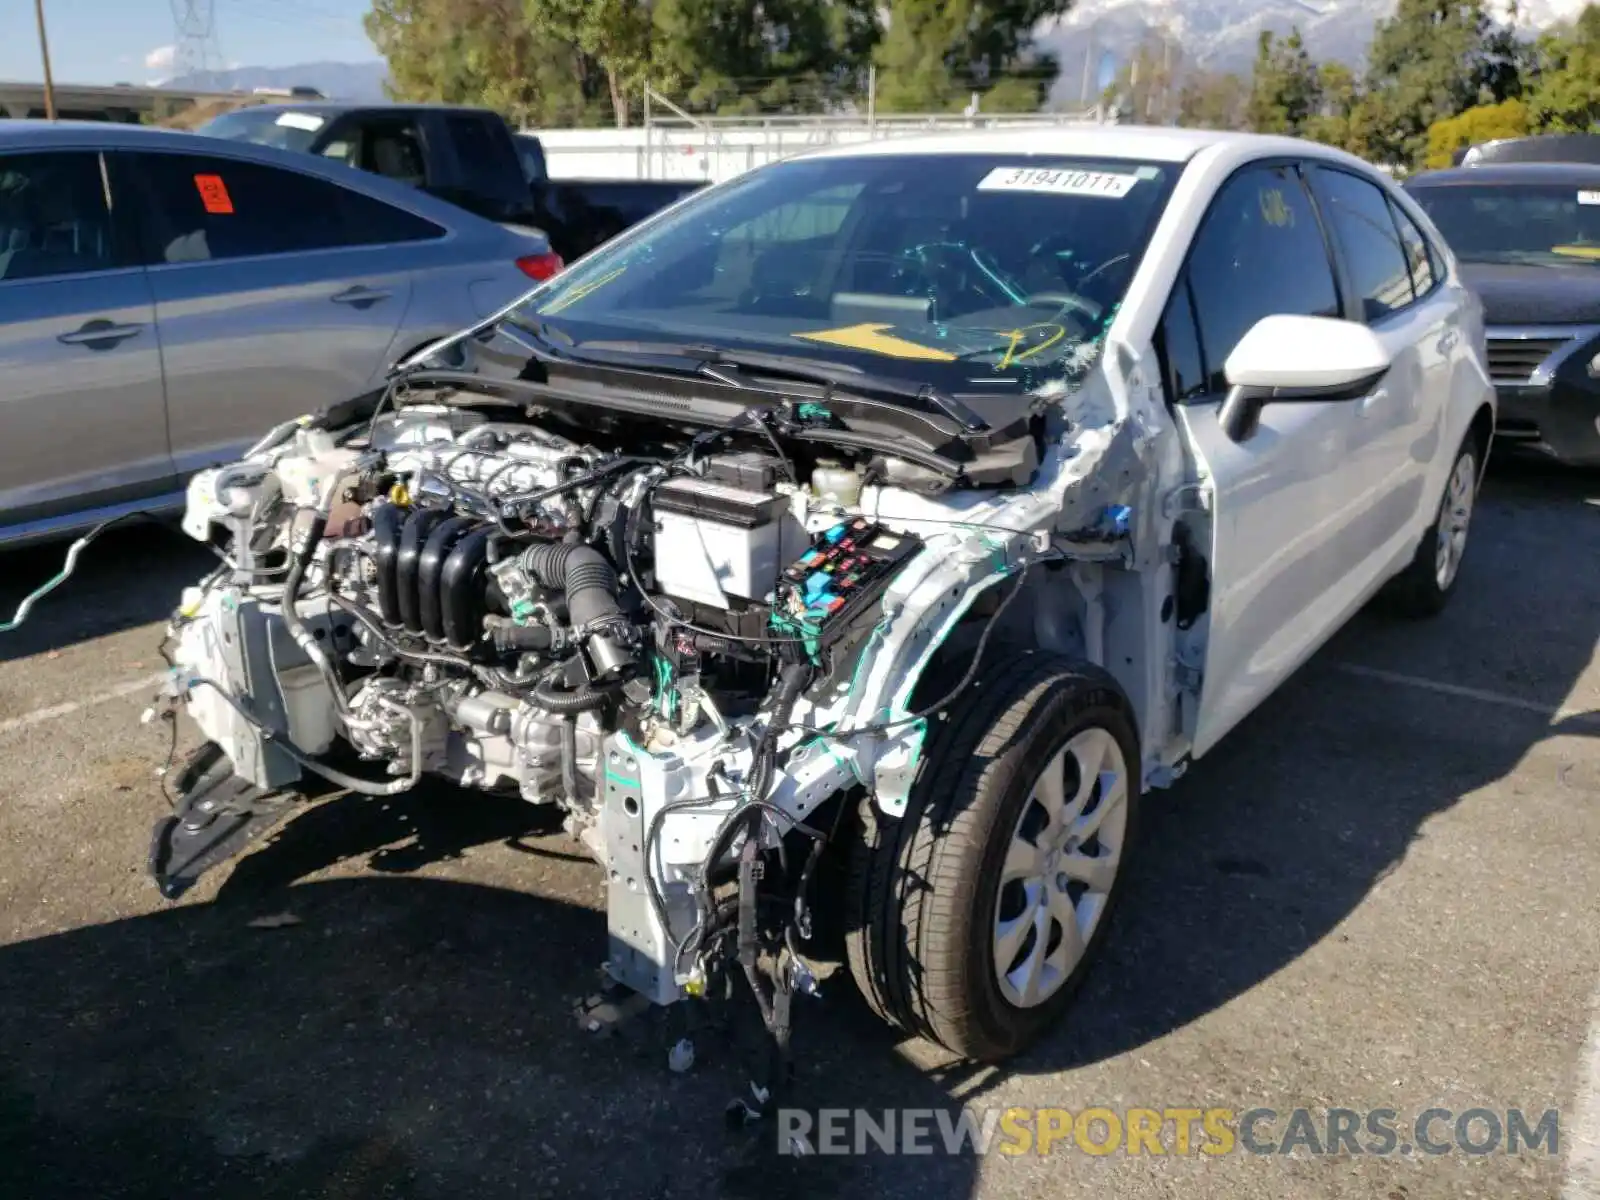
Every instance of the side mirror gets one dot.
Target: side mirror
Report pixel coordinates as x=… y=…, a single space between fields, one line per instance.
x=1284 y=359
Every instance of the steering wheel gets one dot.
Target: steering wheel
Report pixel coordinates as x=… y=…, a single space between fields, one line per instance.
x=1064 y=301
x=937 y=262
x=1105 y=266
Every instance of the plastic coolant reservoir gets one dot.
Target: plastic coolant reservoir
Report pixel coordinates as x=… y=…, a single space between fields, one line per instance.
x=834 y=481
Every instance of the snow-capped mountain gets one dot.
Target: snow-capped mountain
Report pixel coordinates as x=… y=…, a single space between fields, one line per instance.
x=1222 y=34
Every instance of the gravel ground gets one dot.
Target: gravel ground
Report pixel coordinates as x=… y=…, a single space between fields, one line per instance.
x=1379 y=892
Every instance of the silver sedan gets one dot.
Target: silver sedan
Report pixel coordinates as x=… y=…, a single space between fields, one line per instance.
x=165 y=297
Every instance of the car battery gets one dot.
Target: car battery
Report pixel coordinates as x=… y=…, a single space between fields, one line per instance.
x=719 y=544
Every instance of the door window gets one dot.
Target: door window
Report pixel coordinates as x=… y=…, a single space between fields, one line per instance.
x=203 y=208
x=1369 y=242
x=53 y=217
x=1418 y=253
x=391 y=147
x=1259 y=252
x=1178 y=345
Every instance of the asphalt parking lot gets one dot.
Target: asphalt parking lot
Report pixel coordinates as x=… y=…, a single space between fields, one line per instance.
x=1381 y=892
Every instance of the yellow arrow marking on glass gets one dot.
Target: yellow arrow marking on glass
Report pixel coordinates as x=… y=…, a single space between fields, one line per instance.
x=874 y=339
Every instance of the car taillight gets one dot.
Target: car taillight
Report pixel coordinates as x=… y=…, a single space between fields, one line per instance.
x=541 y=266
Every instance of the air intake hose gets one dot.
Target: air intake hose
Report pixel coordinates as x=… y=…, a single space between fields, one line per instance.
x=590 y=584
x=582 y=572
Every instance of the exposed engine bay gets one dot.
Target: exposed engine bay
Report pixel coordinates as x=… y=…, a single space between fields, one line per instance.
x=691 y=642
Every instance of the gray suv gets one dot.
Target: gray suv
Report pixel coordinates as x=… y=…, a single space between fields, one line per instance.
x=165 y=297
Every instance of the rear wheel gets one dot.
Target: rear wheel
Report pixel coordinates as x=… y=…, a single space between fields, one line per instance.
x=1424 y=588
x=973 y=919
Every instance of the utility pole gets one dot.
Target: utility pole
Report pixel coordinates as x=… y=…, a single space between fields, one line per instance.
x=44 y=54
x=1088 y=67
x=1166 y=74
x=872 y=100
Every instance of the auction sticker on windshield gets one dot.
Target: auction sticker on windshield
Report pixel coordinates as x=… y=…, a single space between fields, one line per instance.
x=1060 y=182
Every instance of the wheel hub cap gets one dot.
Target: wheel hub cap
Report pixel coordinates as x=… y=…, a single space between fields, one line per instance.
x=1455 y=517
x=1061 y=863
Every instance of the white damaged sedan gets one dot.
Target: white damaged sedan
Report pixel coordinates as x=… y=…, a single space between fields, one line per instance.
x=922 y=503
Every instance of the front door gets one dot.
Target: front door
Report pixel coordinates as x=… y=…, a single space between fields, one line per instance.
x=1280 y=497
x=81 y=398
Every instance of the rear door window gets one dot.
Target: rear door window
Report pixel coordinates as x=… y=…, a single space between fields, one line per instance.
x=201 y=208
x=1419 y=254
x=1260 y=252
x=1369 y=241
x=53 y=216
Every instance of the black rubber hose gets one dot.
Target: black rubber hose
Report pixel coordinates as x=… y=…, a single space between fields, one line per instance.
x=569 y=703
x=462 y=588
x=430 y=572
x=412 y=540
x=507 y=635
x=589 y=581
x=387 y=523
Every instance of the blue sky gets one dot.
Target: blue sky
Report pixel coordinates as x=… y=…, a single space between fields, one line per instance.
x=106 y=41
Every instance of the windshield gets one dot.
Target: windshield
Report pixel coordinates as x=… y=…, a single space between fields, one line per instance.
x=972 y=271
x=1535 y=223
x=283 y=130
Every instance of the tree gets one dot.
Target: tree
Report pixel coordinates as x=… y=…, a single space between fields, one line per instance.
x=777 y=56
x=1566 y=98
x=932 y=54
x=1341 y=120
x=1213 y=100
x=482 y=52
x=1483 y=123
x=588 y=61
x=614 y=33
x=1431 y=60
x=1285 y=88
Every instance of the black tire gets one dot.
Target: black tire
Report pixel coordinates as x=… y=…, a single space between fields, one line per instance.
x=1417 y=591
x=923 y=891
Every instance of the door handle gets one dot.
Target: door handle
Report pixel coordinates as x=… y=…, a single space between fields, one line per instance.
x=99 y=334
x=360 y=296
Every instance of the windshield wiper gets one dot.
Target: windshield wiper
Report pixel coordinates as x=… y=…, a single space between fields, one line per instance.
x=729 y=366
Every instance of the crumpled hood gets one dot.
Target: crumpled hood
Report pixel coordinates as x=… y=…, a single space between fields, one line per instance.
x=1516 y=294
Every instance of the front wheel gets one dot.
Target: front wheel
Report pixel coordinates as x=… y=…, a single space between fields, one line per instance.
x=1425 y=586
x=973 y=918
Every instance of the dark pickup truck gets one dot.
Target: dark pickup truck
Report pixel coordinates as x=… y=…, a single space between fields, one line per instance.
x=580 y=214
x=468 y=156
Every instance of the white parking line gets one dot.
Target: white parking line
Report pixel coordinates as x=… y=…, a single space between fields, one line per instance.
x=1455 y=689
x=40 y=715
x=1583 y=1135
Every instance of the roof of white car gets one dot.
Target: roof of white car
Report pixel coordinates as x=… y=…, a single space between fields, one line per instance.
x=1079 y=139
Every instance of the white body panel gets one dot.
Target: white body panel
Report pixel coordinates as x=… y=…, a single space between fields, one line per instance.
x=1330 y=499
